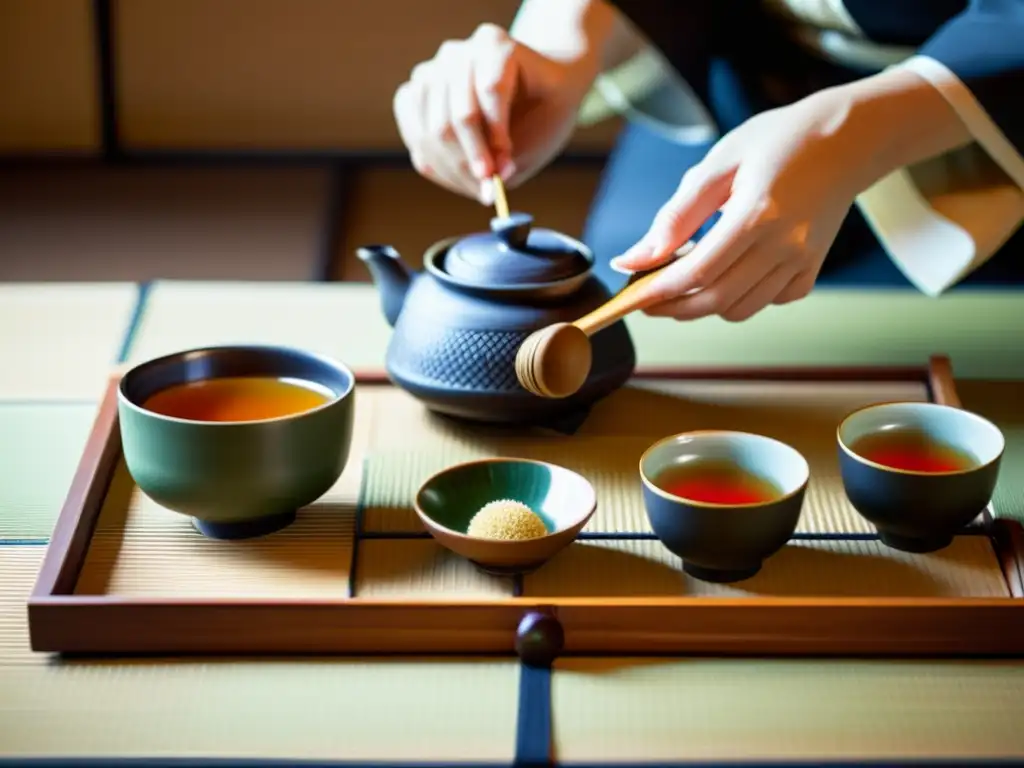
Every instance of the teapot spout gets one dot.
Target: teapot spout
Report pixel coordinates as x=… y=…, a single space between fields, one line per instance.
x=391 y=276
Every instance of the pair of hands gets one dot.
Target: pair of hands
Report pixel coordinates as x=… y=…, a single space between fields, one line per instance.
x=783 y=181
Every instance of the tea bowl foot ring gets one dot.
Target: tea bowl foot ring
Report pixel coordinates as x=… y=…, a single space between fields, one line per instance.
x=915 y=544
x=245 y=529
x=720 y=575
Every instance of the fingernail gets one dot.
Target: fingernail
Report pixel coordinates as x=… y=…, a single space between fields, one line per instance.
x=479 y=169
x=619 y=264
x=686 y=247
x=487 y=192
x=508 y=169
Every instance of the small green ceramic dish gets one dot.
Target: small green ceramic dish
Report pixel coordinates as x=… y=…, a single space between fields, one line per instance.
x=236 y=479
x=563 y=499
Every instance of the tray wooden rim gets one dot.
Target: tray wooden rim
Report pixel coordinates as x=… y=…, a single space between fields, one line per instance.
x=60 y=621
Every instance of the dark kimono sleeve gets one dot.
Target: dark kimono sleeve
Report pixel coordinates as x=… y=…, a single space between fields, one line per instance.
x=983 y=48
x=944 y=218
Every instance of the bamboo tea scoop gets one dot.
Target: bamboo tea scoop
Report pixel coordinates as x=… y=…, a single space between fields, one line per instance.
x=500 y=197
x=555 y=360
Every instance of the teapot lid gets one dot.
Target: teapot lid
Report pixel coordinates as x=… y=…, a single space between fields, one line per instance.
x=514 y=253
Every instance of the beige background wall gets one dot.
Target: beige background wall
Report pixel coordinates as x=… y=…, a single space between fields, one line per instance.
x=237 y=74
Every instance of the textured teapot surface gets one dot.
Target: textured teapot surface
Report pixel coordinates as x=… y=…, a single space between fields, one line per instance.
x=462 y=320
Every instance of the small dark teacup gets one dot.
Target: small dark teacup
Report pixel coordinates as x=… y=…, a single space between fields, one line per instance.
x=919 y=472
x=723 y=501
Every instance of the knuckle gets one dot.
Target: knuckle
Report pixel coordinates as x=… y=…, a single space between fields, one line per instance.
x=447 y=48
x=400 y=97
x=493 y=86
x=736 y=315
x=490 y=32
x=766 y=211
x=420 y=72
x=419 y=164
x=713 y=301
x=466 y=118
x=696 y=178
x=799 y=289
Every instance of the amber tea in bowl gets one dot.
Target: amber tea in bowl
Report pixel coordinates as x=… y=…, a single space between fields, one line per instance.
x=238 y=398
x=238 y=438
x=919 y=472
x=722 y=501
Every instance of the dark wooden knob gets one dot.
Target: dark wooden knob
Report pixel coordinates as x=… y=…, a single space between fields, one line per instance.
x=539 y=639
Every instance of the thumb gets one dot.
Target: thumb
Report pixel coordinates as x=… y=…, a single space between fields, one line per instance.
x=699 y=195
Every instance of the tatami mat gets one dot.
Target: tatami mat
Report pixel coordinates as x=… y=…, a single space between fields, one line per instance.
x=982 y=331
x=19 y=565
x=343 y=321
x=635 y=710
x=40 y=446
x=441 y=710
x=163 y=223
x=645 y=568
x=353 y=709
x=59 y=341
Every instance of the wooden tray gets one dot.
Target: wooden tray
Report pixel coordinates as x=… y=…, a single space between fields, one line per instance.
x=357 y=573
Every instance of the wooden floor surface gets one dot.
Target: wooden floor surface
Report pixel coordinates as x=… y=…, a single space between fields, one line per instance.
x=116 y=224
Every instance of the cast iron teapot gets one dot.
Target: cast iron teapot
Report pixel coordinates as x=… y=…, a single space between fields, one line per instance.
x=459 y=322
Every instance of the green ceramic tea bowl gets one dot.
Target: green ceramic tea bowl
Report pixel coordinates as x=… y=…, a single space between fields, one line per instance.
x=563 y=499
x=243 y=478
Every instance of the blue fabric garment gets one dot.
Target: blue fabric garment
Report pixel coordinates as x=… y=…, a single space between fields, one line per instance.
x=645 y=168
x=984 y=47
x=729 y=51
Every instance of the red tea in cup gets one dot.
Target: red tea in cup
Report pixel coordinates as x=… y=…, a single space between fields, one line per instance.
x=712 y=481
x=911 y=450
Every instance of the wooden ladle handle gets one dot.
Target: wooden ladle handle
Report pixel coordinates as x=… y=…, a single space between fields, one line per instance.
x=621 y=304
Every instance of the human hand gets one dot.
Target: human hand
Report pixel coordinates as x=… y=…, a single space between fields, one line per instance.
x=784 y=181
x=488 y=105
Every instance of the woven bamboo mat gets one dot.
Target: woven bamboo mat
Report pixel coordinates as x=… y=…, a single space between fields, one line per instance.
x=58 y=341
x=40 y=446
x=611 y=710
x=408 y=444
x=344 y=321
x=631 y=567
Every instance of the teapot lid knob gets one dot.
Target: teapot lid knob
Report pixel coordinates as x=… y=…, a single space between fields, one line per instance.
x=513 y=230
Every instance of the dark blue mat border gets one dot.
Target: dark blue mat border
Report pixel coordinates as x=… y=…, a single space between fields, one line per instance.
x=93 y=762
x=27 y=542
x=975 y=530
x=143 y=290
x=534 y=718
